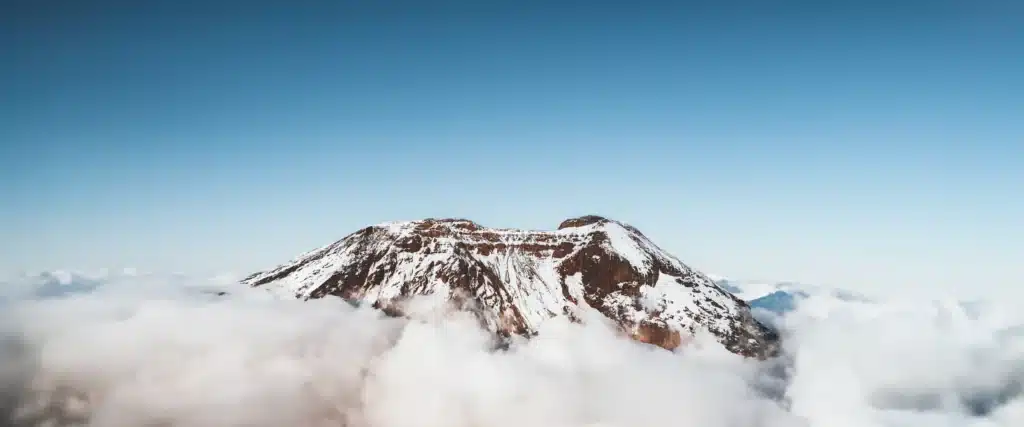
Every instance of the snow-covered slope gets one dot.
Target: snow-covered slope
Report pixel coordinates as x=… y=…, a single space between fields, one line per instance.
x=515 y=280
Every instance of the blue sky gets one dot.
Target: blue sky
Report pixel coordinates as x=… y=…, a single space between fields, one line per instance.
x=870 y=145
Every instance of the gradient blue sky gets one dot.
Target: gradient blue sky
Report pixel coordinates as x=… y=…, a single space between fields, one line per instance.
x=865 y=144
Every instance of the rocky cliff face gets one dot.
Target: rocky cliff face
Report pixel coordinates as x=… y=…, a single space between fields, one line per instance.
x=514 y=280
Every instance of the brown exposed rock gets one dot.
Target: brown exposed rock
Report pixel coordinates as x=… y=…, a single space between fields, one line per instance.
x=658 y=335
x=581 y=221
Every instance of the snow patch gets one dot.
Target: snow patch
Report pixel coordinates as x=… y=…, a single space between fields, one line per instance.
x=623 y=244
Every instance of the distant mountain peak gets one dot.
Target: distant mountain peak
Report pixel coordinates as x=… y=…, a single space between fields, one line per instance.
x=514 y=280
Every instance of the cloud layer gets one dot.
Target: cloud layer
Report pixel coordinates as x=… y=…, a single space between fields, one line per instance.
x=132 y=350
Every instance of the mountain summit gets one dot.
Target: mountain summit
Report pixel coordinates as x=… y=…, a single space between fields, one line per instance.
x=514 y=280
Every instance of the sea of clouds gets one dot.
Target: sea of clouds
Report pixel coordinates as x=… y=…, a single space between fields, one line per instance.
x=137 y=350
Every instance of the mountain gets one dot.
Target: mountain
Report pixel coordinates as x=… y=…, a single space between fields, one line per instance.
x=45 y=285
x=514 y=280
x=783 y=297
x=779 y=302
x=60 y=283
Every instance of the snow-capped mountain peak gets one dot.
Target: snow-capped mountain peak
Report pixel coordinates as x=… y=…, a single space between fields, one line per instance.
x=515 y=280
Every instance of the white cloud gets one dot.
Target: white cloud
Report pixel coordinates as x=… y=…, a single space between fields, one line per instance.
x=147 y=350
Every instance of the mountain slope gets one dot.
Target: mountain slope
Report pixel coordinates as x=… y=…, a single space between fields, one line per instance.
x=514 y=280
